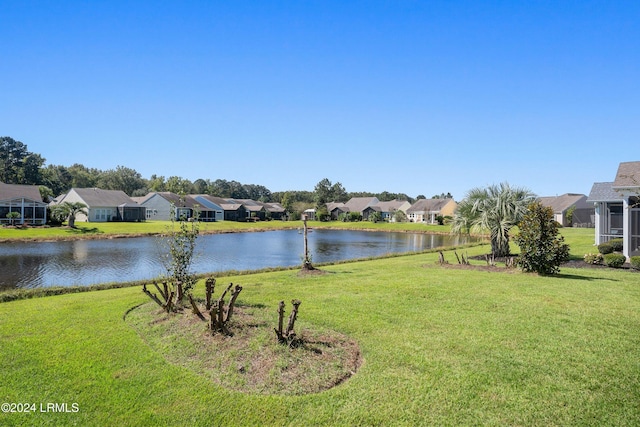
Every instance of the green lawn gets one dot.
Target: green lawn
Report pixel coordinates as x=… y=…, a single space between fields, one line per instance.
x=442 y=346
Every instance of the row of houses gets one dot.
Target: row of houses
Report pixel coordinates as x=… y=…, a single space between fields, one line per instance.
x=114 y=205
x=423 y=210
x=612 y=208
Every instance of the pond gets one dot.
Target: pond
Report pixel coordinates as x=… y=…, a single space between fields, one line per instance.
x=87 y=262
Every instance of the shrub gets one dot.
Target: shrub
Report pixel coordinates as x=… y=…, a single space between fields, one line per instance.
x=635 y=262
x=605 y=248
x=542 y=248
x=355 y=216
x=593 y=258
x=616 y=244
x=614 y=260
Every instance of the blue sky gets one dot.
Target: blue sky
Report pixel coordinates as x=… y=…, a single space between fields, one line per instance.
x=418 y=97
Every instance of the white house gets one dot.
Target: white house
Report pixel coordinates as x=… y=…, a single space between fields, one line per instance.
x=617 y=208
x=24 y=200
x=104 y=205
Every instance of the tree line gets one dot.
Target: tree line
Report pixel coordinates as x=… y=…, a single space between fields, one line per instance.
x=20 y=166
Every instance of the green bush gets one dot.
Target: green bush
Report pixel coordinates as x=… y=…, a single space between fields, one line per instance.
x=635 y=262
x=542 y=248
x=616 y=244
x=614 y=260
x=605 y=248
x=593 y=258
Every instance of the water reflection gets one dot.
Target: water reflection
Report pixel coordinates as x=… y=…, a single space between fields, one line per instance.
x=85 y=262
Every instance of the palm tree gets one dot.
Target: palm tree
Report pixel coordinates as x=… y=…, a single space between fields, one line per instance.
x=495 y=209
x=68 y=211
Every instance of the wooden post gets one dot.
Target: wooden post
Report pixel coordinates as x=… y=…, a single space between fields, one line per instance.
x=306 y=263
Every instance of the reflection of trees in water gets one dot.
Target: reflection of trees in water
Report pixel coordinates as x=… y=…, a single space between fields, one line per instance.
x=21 y=272
x=98 y=261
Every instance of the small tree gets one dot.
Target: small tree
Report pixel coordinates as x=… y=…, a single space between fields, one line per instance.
x=400 y=216
x=542 y=248
x=181 y=243
x=12 y=216
x=375 y=217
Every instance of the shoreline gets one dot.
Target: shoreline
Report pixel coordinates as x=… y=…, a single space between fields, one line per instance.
x=110 y=236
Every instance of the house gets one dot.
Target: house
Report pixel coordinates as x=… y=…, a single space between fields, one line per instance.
x=389 y=209
x=360 y=205
x=336 y=209
x=426 y=210
x=160 y=205
x=309 y=214
x=617 y=208
x=570 y=209
x=215 y=212
x=26 y=201
x=232 y=210
x=275 y=211
x=255 y=210
x=104 y=205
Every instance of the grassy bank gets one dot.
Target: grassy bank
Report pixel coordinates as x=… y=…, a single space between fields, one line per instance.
x=150 y=228
x=441 y=346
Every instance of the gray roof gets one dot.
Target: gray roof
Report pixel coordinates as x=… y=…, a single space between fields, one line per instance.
x=227 y=205
x=337 y=205
x=603 y=192
x=249 y=204
x=13 y=191
x=428 y=205
x=391 y=206
x=100 y=197
x=274 y=207
x=359 y=204
x=628 y=175
x=561 y=203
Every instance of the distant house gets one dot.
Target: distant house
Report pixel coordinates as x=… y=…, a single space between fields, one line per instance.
x=160 y=204
x=336 y=209
x=310 y=214
x=104 y=205
x=255 y=210
x=275 y=210
x=389 y=209
x=617 y=208
x=232 y=210
x=360 y=205
x=570 y=209
x=426 y=210
x=26 y=201
x=214 y=211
